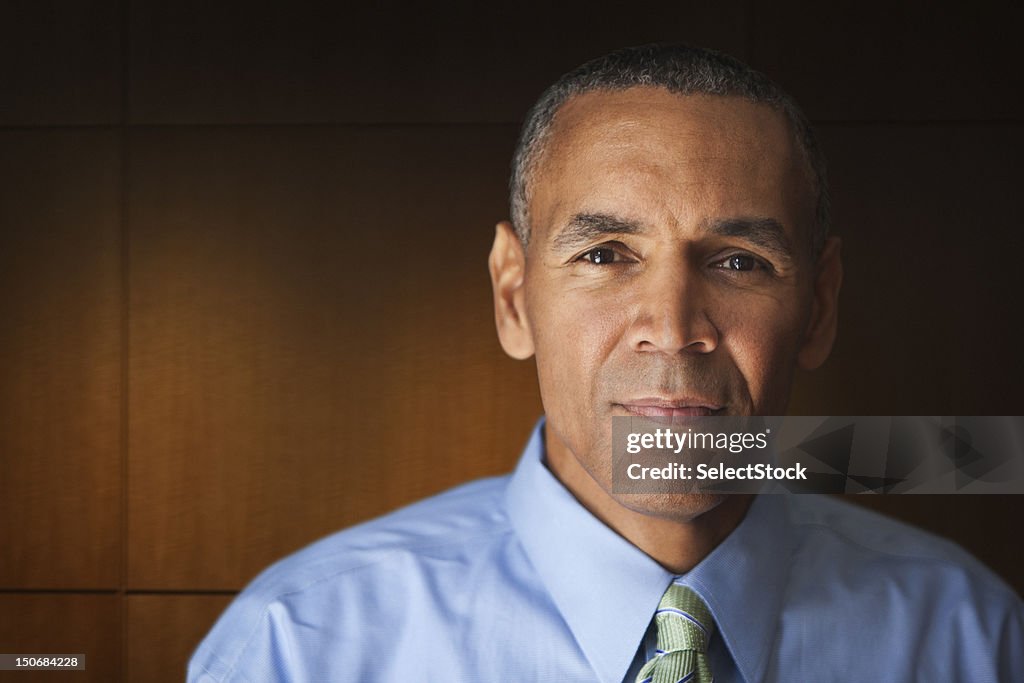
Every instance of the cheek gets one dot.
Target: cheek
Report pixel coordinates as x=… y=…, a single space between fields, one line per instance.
x=762 y=337
x=574 y=332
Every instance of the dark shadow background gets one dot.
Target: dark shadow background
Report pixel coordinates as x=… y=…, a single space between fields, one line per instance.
x=243 y=292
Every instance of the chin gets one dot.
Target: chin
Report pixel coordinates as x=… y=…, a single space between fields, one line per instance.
x=679 y=507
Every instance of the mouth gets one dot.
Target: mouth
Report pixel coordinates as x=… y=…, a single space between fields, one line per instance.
x=670 y=407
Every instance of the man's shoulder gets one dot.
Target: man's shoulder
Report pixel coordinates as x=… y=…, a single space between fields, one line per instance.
x=838 y=538
x=926 y=607
x=358 y=569
x=860 y=528
x=453 y=519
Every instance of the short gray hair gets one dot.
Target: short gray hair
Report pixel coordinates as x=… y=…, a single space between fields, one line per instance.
x=681 y=69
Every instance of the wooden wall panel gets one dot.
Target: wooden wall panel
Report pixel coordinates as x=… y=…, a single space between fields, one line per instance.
x=927 y=319
x=60 y=360
x=60 y=62
x=309 y=304
x=164 y=630
x=68 y=623
x=312 y=337
x=877 y=60
x=196 y=62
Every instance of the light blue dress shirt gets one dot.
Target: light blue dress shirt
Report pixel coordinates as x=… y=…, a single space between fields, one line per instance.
x=510 y=579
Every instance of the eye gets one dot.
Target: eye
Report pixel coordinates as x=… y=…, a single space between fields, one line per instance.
x=741 y=263
x=600 y=256
x=606 y=258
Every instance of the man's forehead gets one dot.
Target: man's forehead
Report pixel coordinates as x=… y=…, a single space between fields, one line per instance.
x=647 y=113
x=608 y=138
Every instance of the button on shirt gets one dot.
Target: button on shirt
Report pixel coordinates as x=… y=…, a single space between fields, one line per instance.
x=510 y=579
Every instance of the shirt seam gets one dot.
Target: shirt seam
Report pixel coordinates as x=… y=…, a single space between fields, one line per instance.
x=207 y=671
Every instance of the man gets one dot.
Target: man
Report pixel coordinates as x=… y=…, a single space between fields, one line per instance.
x=669 y=256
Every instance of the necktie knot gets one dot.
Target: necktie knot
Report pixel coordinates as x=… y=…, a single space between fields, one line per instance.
x=684 y=626
x=683 y=621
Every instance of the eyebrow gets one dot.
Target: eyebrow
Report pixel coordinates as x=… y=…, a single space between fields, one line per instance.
x=766 y=233
x=584 y=228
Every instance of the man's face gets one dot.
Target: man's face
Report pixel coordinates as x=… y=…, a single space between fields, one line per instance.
x=668 y=270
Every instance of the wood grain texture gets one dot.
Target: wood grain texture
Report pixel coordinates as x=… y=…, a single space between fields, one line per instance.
x=312 y=338
x=164 y=630
x=63 y=623
x=60 y=359
x=385 y=62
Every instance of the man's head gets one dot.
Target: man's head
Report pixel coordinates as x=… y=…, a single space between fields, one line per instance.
x=669 y=256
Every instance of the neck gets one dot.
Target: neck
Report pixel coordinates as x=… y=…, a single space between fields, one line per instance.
x=676 y=530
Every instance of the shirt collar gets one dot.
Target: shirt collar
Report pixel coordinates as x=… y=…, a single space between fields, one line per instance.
x=607 y=589
x=743 y=582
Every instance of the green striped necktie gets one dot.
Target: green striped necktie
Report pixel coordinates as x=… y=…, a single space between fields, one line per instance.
x=684 y=628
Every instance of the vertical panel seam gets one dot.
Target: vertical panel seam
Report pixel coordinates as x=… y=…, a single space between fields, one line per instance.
x=125 y=358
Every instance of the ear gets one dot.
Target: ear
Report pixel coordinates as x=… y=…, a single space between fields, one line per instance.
x=507 y=264
x=821 y=329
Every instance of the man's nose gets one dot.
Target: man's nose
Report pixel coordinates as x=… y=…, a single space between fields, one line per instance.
x=673 y=315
